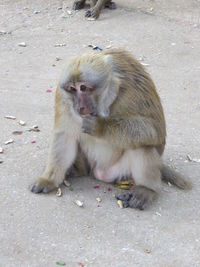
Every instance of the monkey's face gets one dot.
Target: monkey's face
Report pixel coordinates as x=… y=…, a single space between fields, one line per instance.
x=86 y=82
x=83 y=97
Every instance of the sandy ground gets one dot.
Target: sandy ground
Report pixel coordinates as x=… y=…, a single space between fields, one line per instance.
x=39 y=230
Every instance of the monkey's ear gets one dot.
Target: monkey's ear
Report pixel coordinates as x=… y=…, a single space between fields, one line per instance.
x=108 y=60
x=64 y=78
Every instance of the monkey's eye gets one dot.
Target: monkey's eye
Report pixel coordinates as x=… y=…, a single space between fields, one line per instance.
x=72 y=89
x=83 y=88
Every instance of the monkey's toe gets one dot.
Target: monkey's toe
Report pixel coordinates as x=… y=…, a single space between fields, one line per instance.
x=78 y=5
x=92 y=13
x=42 y=187
x=88 y=13
x=124 y=197
x=141 y=198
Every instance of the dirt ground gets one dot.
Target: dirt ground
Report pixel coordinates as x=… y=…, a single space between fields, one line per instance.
x=40 y=230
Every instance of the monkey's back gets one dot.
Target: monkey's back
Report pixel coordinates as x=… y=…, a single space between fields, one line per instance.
x=137 y=90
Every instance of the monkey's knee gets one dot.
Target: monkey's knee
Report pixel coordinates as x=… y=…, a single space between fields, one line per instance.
x=141 y=198
x=78 y=4
x=43 y=186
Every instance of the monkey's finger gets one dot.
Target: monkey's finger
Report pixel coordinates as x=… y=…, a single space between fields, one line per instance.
x=88 y=13
x=137 y=203
x=42 y=187
x=36 y=189
x=125 y=204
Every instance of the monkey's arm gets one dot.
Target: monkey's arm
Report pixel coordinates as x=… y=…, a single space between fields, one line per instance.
x=129 y=132
x=62 y=150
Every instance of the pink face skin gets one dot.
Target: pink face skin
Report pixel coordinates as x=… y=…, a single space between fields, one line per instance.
x=82 y=97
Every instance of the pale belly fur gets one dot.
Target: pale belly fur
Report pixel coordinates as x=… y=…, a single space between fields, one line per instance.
x=101 y=156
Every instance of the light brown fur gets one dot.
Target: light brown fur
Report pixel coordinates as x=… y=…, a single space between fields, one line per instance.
x=125 y=137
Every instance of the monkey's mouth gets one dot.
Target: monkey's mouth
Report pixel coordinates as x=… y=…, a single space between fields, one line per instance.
x=84 y=112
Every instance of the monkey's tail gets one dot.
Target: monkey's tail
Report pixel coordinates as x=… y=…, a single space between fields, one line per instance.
x=175 y=178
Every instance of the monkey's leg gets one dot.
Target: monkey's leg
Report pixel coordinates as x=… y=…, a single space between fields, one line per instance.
x=92 y=3
x=95 y=11
x=80 y=167
x=143 y=165
x=61 y=156
x=145 y=169
x=110 y=4
x=78 y=4
x=119 y=170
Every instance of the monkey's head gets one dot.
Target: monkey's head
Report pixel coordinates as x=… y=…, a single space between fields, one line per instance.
x=88 y=82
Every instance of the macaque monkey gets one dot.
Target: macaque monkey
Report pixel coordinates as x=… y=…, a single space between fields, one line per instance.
x=109 y=122
x=95 y=6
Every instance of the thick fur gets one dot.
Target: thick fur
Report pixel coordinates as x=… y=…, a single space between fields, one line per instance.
x=125 y=138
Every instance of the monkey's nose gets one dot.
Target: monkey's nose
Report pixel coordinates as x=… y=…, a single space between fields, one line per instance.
x=82 y=111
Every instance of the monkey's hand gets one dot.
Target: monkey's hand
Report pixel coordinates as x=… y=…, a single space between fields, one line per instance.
x=43 y=186
x=93 y=13
x=92 y=125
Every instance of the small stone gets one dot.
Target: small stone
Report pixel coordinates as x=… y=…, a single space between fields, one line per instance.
x=34 y=128
x=60 y=45
x=69 y=12
x=79 y=203
x=2 y=32
x=59 y=192
x=147 y=250
x=10 y=141
x=158 y=213
x=60 y=263
x=17 y=132
x=91 y=19
x=145 y=64
x=22 y=44
x=10 y=117
x=98 y=199
x=36 y=12
x=22 y=123
x=1 y=150
x=120 y=204
x=67 y=183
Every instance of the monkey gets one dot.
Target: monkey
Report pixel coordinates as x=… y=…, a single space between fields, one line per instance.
x=109 y=123
x=95 y=6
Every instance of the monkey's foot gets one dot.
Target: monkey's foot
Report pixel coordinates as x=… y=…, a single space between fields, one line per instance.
x=92 y=13
x=78 y=5
x=140 y=198
x=42 y=186
x=111 y=5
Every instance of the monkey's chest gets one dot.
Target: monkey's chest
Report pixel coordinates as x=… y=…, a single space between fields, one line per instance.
x=98 y=152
